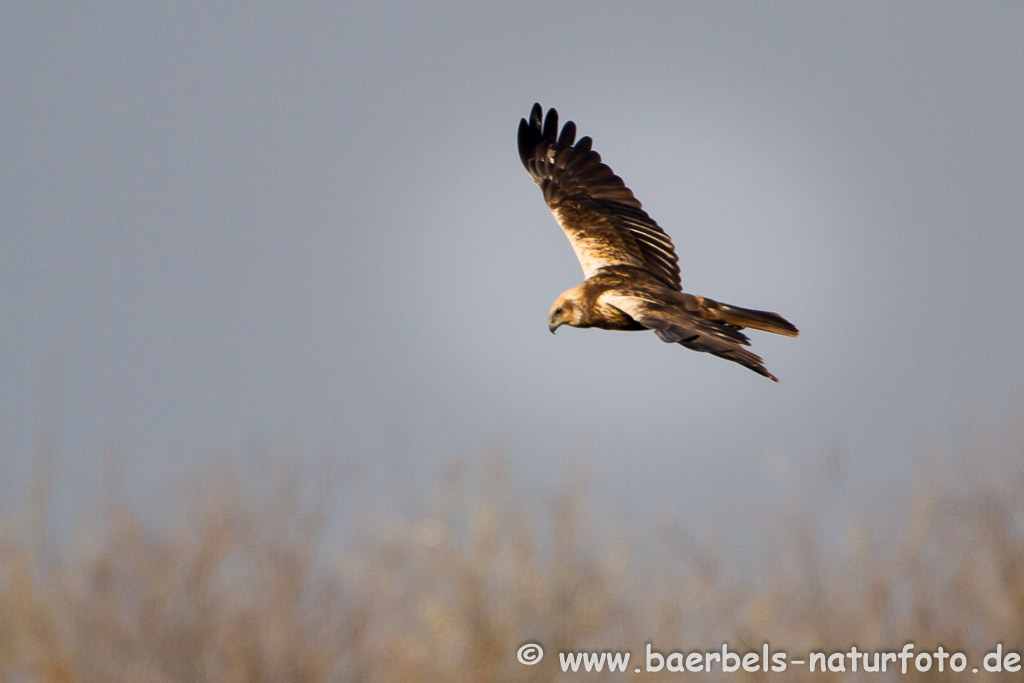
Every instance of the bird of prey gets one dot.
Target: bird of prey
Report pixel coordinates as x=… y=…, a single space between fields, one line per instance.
x=630 y=265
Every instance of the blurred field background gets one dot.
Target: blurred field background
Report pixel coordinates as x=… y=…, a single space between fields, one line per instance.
x=264 y=573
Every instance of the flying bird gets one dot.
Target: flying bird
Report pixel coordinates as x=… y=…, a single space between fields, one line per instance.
x=630 y=264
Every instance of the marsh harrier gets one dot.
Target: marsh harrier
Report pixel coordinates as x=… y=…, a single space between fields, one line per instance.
x=630 y=265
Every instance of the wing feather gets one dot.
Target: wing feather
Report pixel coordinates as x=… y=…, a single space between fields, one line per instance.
x=605 y=223
x=568 y=135
x=675 y=325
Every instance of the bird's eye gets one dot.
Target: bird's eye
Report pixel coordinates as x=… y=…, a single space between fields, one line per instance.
x=558 y=311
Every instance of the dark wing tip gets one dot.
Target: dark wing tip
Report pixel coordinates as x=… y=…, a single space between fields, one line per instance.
x=568 y=135
x=550 y=132
x=536 y=114
x=540 y=129
x=526 y=141
x=530 y=133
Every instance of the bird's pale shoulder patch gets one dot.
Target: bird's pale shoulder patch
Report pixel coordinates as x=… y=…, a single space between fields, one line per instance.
x=596 y=244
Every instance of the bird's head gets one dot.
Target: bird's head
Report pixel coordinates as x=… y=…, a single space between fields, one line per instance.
x=565 y=311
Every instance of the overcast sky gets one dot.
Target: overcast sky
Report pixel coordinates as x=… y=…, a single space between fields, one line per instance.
x=226 y=225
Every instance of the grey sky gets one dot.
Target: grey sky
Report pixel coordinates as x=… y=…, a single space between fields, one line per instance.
x=221 y=225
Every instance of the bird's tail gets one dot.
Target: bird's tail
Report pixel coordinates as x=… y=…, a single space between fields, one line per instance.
x=748 y=317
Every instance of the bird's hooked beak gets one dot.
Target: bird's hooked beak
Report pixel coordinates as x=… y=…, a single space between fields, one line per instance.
x=554 y=326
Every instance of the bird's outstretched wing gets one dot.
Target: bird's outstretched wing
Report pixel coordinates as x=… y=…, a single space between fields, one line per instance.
x=604 y=222
x=673 y=324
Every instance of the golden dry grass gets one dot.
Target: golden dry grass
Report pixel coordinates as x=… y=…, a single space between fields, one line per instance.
x=245 y=584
